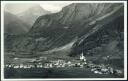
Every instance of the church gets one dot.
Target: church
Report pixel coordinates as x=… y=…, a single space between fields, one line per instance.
x=82 y=57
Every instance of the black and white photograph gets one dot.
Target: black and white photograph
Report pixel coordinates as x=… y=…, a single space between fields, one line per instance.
x=64 y=40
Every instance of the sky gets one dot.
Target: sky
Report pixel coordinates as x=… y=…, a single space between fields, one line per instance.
x=16 y=8
x=54 y=7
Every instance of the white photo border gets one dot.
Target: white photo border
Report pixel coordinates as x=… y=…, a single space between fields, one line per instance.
x=125 y=39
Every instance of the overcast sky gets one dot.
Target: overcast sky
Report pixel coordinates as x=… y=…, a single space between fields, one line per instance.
x=16 y=8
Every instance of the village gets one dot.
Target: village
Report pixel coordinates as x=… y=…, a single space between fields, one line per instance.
x=81 y=63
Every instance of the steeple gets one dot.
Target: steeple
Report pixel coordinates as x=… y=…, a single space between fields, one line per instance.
x=82 y=57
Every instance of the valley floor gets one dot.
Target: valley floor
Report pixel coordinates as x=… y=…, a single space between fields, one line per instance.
x=72 y=72
x=80 y=71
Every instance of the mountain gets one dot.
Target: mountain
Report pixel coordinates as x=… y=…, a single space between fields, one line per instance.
x=13 y=25
x=94 y=29
x=75 y=13
x=31 y=14
x=72 y=22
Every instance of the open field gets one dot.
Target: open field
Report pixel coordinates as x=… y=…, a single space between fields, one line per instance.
x=73 y=72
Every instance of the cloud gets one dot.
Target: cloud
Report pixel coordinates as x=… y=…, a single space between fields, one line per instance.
x=53 y=7
x=16 y=8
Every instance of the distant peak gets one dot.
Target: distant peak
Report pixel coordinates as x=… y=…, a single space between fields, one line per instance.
x=36 y=7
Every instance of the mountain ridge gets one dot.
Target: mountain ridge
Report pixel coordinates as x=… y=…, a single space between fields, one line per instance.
x=56 y=30
x=31 y=14
x=14 y=24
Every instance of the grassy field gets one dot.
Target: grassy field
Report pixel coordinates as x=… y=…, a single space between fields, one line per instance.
x=73 y=72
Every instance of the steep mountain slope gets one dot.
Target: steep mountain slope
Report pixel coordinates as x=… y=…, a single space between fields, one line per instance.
x=72 y=21
x=104 y=41
x=75 y=14
x=13 y=25
x=31 y=14
x=83 y=22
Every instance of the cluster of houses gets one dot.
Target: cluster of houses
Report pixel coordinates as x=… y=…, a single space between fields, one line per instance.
x=102 y=69
x=62 y=63
x=19 y=66
x=55 y=63
x=97 y=69
x=52 y=64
